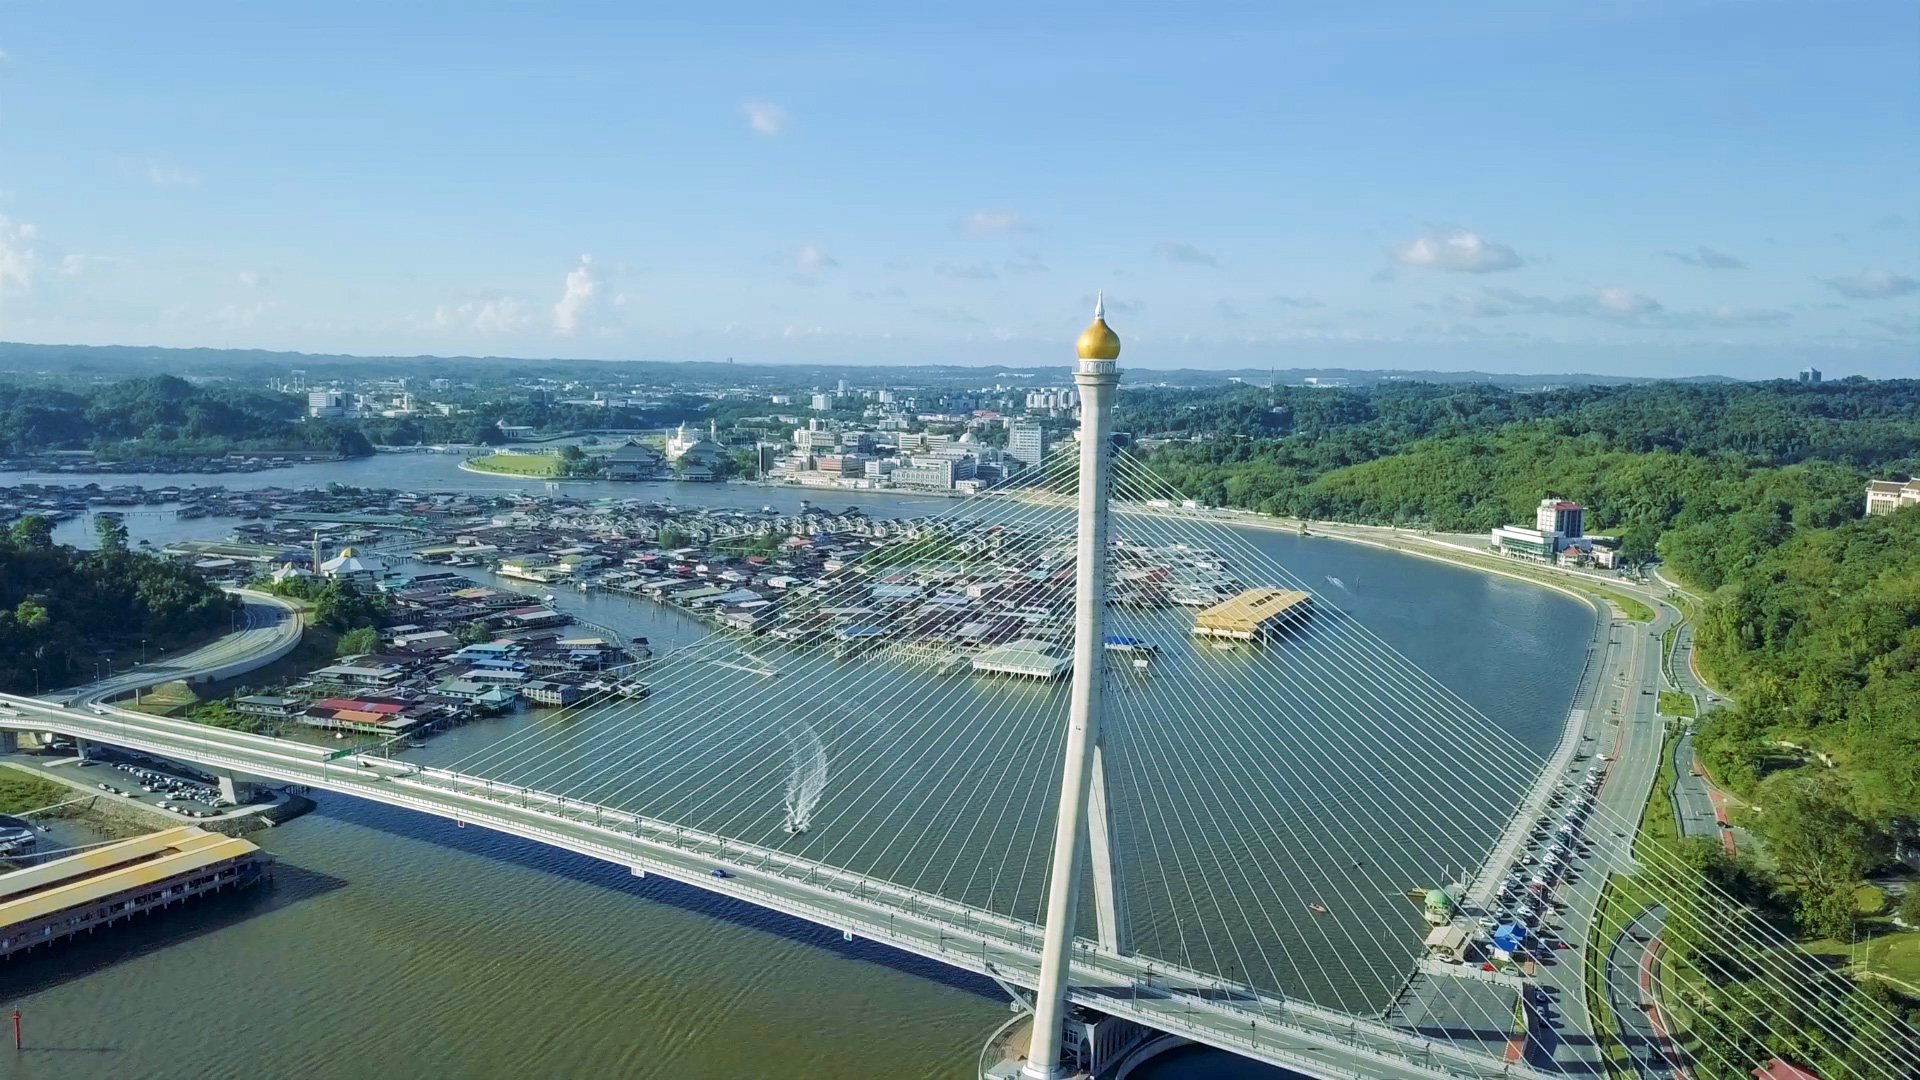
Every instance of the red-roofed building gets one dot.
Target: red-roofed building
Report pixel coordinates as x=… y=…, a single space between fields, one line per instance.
x=1776 y=1069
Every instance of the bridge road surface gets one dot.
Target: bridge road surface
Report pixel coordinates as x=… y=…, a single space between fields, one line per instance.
x=1631 y=738
x=1318 y=1042
x=269 y=628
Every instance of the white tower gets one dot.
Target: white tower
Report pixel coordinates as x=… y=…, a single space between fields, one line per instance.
x=1083 y=787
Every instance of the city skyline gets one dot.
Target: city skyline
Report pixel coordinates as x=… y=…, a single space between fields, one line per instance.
x=1694 y=189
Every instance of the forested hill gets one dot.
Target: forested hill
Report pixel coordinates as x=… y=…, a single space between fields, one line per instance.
x=1643 y=459
x=162 y=416
x=60 y=606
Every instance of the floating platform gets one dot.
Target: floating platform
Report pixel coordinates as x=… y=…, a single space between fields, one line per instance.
x=1033 y=659
x=1252 y=613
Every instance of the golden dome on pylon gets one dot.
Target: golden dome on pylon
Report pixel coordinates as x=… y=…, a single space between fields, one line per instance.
x=1098 y=341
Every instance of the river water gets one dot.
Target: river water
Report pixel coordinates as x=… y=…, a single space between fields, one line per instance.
x=396 y=944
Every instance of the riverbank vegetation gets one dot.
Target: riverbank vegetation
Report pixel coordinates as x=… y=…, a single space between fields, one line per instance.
x=164 y=417
x=1642 y=459
x=60 y=607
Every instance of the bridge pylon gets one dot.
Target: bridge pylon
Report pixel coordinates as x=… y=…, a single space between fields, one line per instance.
x=1084 y=809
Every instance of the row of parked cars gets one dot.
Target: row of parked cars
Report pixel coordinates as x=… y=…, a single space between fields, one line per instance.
x=175 y=792
x=1555 y=840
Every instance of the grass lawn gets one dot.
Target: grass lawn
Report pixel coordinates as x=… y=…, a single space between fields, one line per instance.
x=1674 y=703
x=521 y=464
x=1892 y=955
x=1631 y=608
x=22 y=790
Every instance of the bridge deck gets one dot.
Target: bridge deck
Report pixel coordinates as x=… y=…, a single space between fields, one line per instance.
x=1218 y=1012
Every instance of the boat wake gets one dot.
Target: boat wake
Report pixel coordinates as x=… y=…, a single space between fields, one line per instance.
x=807 y=776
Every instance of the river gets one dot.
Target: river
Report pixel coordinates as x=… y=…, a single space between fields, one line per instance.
x=394 y=944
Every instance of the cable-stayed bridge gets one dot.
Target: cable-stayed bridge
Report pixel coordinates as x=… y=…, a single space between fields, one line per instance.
x=936 y=743
x=1205 y=1008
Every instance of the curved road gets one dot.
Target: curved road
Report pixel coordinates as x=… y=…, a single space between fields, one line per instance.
x=269 y=628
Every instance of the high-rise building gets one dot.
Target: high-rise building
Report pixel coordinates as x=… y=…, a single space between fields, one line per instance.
x=1559 y=516
x=822 y=402
x=1810 y=375
x=326 y=403
x=1027 y=442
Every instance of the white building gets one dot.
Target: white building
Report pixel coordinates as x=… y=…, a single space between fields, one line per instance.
x=1559 y=516
x=1027 y=442
x=326 y=403
x=1886 y=496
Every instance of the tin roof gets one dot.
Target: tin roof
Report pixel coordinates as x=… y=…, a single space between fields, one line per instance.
x=38 y=891
x=1251 y=610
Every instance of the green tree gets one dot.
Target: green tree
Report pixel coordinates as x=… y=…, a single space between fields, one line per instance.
x=1819 y=846
x=1910 y=905
x=33 y=533
x=112 y=535
x=357 y=642
x=475 y=633
x=32 y=612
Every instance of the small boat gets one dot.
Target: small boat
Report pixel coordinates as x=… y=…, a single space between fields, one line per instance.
x=1317 y=908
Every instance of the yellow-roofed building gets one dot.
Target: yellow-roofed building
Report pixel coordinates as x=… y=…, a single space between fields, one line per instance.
x=101 y=886
x=1252 y=613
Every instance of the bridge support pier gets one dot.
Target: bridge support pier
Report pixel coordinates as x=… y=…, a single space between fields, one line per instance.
x=80 y=748
x=9 y=741
x=233 y=789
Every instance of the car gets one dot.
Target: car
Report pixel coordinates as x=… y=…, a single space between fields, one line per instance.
x=719 y=873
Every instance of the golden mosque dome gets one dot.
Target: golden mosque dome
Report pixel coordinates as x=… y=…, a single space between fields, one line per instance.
x=1098 y=341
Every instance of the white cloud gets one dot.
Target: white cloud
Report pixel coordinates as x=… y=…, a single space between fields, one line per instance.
x=252 y=279
x=1610 y=305
x=1626 y=303
x=1708 y=259
x=1872 y=285
x=1457 y=251
x=765 y=118
x=486 y=314
x=17 y=258
x=995 y=221
x=577 y=300
x=1184 y=253
x=808 y=262
x=1298 y=303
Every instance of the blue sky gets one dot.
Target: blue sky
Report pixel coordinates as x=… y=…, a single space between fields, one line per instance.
x=1646 y=188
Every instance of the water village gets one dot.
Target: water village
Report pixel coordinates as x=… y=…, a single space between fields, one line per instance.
x=448 y=647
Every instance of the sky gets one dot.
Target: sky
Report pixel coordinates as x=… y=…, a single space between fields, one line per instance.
x=1659 y=188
